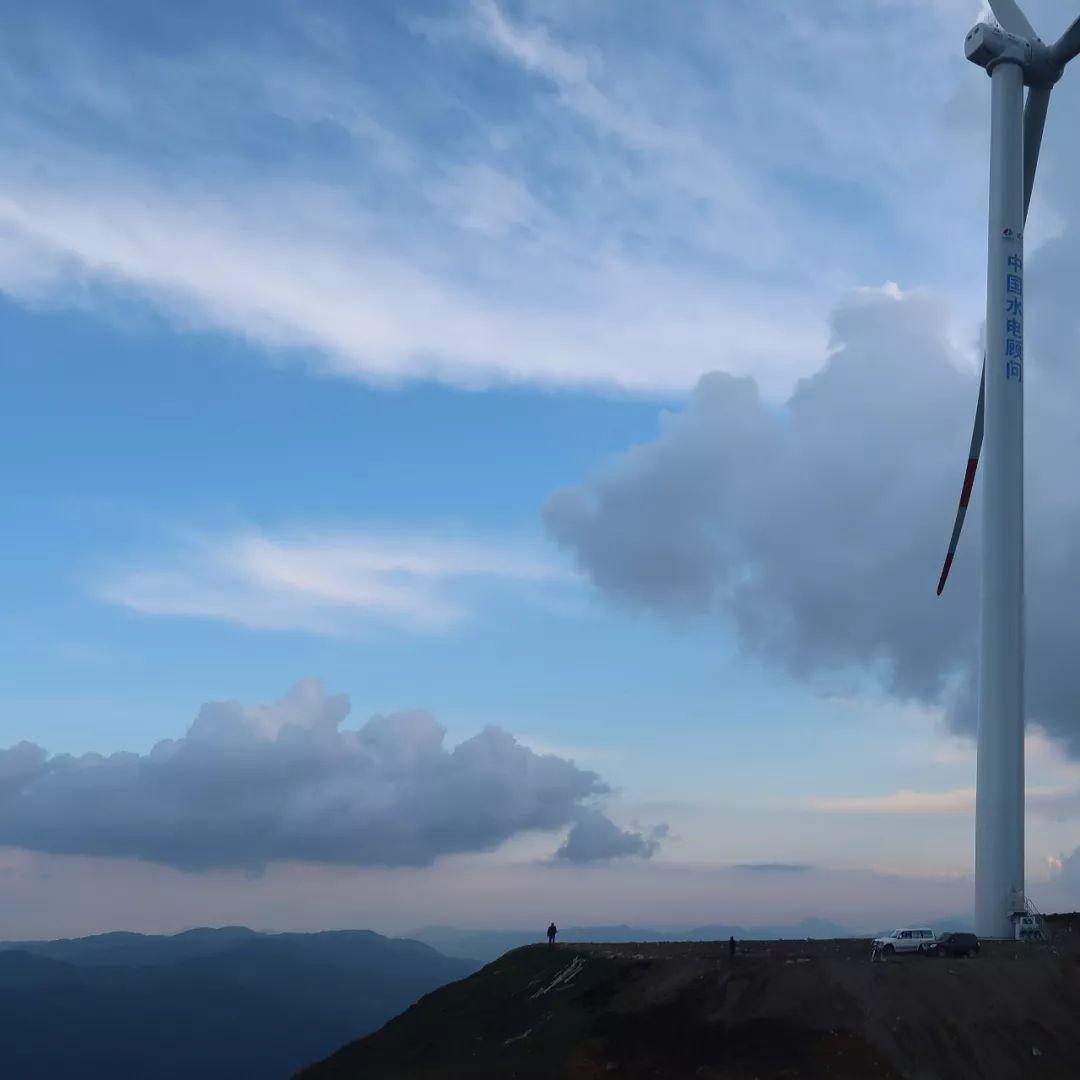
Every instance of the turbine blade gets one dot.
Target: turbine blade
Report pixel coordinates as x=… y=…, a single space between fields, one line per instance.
x=1034 y=122
x=1008 y=13
x=1068 y=45
x=1038 y=100
x=969 y=482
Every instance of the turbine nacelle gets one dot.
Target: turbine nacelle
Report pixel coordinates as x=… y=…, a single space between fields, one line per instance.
x=987 y=46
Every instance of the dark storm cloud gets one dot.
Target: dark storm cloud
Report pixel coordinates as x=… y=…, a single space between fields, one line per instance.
x=817 y=530
x=250 y=784
x=595 y=838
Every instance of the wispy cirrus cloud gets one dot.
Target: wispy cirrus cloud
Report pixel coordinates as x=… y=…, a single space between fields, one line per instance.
x=227 y=263
x=1055 y=803
x=335 y=583
x=773 y=868
x=959 y=801
x=512 y=193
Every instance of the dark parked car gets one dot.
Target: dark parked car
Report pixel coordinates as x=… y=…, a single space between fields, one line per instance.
x=955 y=945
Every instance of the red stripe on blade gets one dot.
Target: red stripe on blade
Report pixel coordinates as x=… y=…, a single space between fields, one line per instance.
x=969 y=480
x=944 y=572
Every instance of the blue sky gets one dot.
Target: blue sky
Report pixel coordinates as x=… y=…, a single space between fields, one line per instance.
x=308 y=312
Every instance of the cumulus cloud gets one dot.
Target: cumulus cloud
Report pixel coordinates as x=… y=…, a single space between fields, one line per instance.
x=596 y=838
x=817 y=529
x=247 y=785
x=812 y=527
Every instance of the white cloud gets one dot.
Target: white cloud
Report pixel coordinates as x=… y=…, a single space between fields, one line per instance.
x=817 y=531
x=961 y=801
x=482 y=198
x=1054 y=803
x=811 y=527
x=336 y=583
x=247 y=785
x=602 y=213
x=594 y=837
x=367 y=313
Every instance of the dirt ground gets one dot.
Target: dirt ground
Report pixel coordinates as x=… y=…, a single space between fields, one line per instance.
x=777 y=1009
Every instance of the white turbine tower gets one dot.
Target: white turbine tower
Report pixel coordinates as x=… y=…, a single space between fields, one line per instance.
x=1014 y=57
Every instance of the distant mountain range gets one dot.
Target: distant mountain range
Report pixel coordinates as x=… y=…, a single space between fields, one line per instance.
x=233 y=1002
x=487 y=945
x=229 y=1002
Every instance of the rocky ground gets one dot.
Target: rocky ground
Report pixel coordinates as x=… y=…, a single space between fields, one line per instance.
x=777 y=1009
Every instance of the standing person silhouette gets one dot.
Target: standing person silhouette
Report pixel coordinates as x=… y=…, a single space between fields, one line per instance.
x=552 y=931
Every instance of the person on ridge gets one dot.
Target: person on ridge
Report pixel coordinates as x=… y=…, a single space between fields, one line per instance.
x=552 y=931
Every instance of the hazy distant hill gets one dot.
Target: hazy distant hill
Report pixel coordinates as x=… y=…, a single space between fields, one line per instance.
x=486 y=945
x=206 y=1003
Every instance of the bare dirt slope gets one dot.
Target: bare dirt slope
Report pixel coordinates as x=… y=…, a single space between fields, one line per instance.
x=684 y=1009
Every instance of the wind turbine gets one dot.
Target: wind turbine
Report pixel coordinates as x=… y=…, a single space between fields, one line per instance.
x=1014 y=57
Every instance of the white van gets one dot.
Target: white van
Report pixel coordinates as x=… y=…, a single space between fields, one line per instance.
x=908 y=939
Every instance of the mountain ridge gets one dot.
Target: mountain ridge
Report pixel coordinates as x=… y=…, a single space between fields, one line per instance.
x=810 y=1008
x=486 y=945
x=210 y=1002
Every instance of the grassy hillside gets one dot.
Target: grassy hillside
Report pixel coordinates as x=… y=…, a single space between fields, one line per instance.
x=806 y=1009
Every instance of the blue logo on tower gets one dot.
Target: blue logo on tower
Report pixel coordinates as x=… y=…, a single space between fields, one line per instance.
x=1014 y=315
